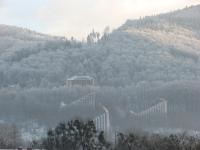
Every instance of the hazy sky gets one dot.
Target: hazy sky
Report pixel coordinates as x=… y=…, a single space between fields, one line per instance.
x=78 y=17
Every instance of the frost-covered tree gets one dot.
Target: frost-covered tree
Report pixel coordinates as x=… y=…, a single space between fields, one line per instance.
x=75 y=135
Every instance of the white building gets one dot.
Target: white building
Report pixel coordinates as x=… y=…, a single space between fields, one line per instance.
x=80 y=81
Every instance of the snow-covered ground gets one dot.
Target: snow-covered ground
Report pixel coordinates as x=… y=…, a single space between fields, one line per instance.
x=168 y=131
x=32 y=131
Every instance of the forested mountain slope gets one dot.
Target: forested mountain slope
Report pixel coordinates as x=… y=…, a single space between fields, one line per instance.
x=164 y=47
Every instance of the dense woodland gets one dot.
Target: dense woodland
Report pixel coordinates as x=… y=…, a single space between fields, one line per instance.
x=156 y=48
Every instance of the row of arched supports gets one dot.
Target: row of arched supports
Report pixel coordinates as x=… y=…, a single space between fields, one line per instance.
x=159 y=108
x=102 y=121
x=88 y=100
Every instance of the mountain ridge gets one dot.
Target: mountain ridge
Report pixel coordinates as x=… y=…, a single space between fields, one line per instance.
x=149 y=50
x=187 y=15
x=21 y=33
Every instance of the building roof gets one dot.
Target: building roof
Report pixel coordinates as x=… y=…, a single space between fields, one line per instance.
x=81 y=78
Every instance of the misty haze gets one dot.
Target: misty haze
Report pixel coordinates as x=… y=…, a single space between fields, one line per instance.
x=100 y=75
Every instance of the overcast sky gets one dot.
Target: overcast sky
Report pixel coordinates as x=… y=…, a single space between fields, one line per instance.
x=78 y=17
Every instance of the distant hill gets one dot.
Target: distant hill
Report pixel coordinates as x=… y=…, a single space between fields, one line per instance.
x=187 y=18
x=163 y=48
x=21 y=33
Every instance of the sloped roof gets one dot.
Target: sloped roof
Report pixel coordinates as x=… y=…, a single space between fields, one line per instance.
x=81 y=78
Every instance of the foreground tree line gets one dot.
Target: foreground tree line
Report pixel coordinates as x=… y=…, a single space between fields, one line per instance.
x=82 y=135
x=79 y=135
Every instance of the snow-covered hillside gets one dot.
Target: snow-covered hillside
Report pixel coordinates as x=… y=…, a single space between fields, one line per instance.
x=159 y=47
x=156 y=48
x=12 y=37
x=21 y=33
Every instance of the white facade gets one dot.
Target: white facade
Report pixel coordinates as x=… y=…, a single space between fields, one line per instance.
x=80 y=81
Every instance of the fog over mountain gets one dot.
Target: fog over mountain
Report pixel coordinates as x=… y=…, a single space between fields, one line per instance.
x=155 y=55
